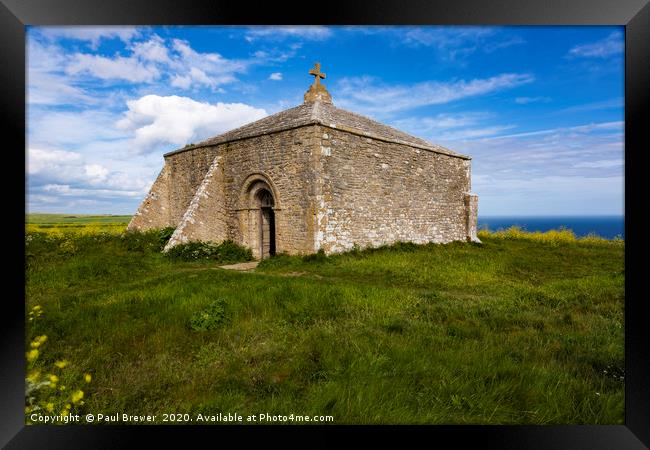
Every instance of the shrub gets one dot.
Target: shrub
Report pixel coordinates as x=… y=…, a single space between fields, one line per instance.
x=553 y=237
x=43 y=248
x=319 y=256
x=164 y=235
x=154 y=239
x=209 y=318
x=225 y=252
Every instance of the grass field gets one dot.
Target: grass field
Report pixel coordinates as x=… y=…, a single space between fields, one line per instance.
x=62 y=219
x=75 y=223
x=523 y=329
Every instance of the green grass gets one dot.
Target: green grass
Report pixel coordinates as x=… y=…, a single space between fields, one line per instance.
x=59 y=219
x=519 y=330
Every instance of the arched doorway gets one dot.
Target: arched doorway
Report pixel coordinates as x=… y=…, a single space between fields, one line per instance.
x=267 y=223
x=260 y=217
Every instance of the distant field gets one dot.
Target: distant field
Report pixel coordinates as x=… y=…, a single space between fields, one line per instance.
x=58 y=219
x=75 y=223
x=526 y=328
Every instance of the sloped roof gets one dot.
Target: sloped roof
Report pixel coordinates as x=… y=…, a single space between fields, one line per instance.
x=325 y=114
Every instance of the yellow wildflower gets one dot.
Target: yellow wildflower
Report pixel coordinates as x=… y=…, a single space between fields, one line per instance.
x=64 y=412
x=88 y=377
x=38 y=341
x=61 y=364
x=52 y=385
x=77 y=396
x=33 y=375
x=53 y=378
x=49 y=407
x=37 y=307
x=32 y=355
x=67 y=406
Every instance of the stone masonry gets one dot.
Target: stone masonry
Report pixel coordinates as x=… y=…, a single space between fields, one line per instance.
x=312 y=177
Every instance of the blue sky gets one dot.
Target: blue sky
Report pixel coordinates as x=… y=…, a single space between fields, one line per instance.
x=540 y=109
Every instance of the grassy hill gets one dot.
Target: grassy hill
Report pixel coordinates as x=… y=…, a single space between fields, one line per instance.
x=524 y=329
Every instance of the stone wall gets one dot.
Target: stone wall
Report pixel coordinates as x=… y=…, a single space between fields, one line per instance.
x=471 y=205
x=186 y=173
x=376 y=192
x=154 y=211
x=219 y=208
x=282 y=160
x=206 y=218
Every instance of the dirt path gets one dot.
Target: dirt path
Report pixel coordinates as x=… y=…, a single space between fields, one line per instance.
x=244 y=267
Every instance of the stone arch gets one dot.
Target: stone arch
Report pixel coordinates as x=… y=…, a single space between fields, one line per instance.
x=258 y=215
x=252 y=184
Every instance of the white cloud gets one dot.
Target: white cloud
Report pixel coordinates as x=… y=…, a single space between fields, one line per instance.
x=439 y=122
x=275 y=55
x=46 y=83
x=527 y=100
x=43 y=199
x=55 y=90
x=182 y=81
x=456 y=42
x=54 y=166
x=196 y=78
x=451 y=127
x=362 y=93
x=57 y=77
x=152 y=50
x=594 y=106
x=67 y=190
x=61 y=180
x=602 y=126
x=564 y=170
x=447 y=37
x=194 y=69
x=549 y=195
x=96 y=173
x=314 y=32
x=58 y=128
x=117 y=68
x=40 y=160
x=173 y=120
x=277 y=76
x=517 y=161
x=612 y=45
x=91 y=33
x=473 y=133
x=600 y=164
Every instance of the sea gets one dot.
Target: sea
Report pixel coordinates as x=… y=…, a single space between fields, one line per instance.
x=607 y=227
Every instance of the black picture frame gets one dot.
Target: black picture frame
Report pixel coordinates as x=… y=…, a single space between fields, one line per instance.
x=633 y=14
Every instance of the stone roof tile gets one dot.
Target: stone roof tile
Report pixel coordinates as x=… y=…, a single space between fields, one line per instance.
x=324 y=114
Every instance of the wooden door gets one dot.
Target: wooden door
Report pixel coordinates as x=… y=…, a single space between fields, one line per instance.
x=265 y=233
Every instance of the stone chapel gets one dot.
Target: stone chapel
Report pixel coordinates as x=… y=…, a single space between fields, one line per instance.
x=312 y=177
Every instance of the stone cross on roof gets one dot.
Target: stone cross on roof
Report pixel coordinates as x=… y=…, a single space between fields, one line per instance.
x=317 y=91
x=317 y=73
